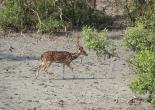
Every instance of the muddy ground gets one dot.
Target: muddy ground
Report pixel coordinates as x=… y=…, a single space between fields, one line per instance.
x=91 y=86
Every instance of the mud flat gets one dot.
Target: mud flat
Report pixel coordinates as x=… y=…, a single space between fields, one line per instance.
x=91 y=86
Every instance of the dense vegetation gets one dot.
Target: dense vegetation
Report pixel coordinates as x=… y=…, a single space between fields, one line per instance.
x=142 y=11
x=50 y=15
x=98 y=41
x=141 y=39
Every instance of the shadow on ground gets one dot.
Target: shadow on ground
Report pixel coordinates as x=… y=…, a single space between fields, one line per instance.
x=9 y=56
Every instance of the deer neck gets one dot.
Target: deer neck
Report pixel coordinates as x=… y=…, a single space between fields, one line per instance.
x=75 y=55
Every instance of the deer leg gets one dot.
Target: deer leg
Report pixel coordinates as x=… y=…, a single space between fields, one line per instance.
x=63 y=70
x=81 y=59
x=70 y=67
x=37 y=73
x=46 y=67
x=39 y=68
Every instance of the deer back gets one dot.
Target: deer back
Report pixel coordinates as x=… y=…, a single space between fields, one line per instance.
x=57 y=56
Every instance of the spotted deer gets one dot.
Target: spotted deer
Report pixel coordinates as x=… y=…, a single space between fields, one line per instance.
x=63 y=57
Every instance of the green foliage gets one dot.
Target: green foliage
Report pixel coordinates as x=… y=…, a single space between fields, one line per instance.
x=145 y=68
x=8 y=16
x=47 y=16
x=145 y=62
x=152 y=101
x=99 y=20
x=148 y=19
x=79 y=13
x=49 y=24
x=142 y=11
x=76 y=12
x=98 y=41
x=134 y=36
x=136 y=6
x=138 y=38
x=143 y=84
x=26 y=15
x=142 y=39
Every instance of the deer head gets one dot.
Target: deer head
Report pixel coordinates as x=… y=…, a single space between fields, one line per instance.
x=81 y=50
